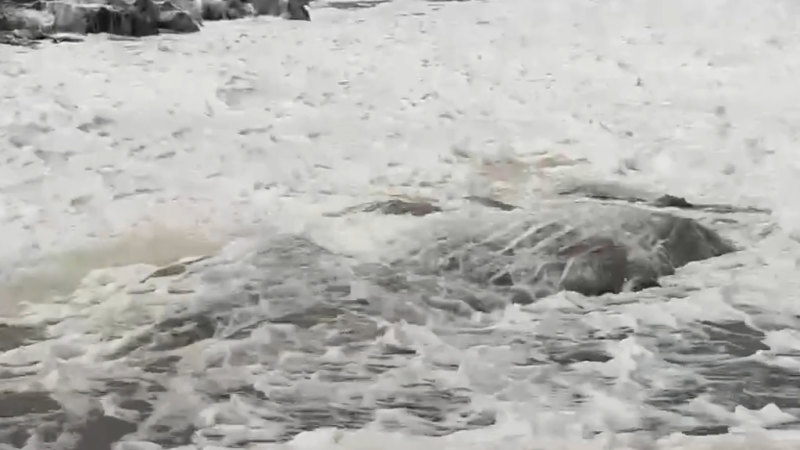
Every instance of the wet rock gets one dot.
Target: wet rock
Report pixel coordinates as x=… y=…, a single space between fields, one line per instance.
x=491 y=203
x=734 y=338
x=238 y=9
x=682 y=240
x=167 y=271
x=521 y=296
x=137 y=19
x=667 y=200
x=298 y=10
x=595 y=267
x=707 y=430
x=398 y=207
x=214 y=9
x=267 y=7
x=193 y=7
x=226 y=9
x=590 y=248
x=174 y=18
x=576 y=355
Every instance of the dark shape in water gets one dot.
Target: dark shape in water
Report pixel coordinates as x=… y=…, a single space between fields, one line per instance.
x=707 y=430
x=581 y=355
x=309 y=317
x=491 y=203
x=666 y=201
x=611 y=191
x=356 y=4
x=15 y=404
x=13 y=336
x=398 y=207
x=590 y=248
x=99 y=433
x=735 y=338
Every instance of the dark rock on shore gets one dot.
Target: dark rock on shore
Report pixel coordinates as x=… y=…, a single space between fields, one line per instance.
x=298 y=10
x=31 y=21
x=174 y=18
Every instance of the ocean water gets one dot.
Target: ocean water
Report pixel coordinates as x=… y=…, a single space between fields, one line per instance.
x=185 y=263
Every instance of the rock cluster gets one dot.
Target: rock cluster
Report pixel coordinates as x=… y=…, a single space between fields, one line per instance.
x=21 y=21
x=592 y=248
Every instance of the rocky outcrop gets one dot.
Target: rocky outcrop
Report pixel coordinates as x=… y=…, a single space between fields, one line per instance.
x=590 y=248
x=139 y=18
x=174 y=18
x=132 y=17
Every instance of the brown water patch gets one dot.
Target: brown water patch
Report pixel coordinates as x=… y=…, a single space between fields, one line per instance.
x=60 y=273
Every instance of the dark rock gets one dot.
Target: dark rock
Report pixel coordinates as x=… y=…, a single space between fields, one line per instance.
x=173 y=18
x=734 y=338
x=266 y=7
x=491 y=203
x=237 y=9
x=683 y=240
x=193 y=7
x=214 y=9
x=667 y=200
x=298 y=10
x=521 y=297
x=581 y=355
x=171 y=434
x=595 y=267
x=637 y=283
x=590 y=248
x=502 y=279
x=167 y=271
x=398 y=207
x=137 y=19
x=145 y=18
x=707 y=430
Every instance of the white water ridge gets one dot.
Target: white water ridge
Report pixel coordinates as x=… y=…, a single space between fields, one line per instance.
x=192 y=257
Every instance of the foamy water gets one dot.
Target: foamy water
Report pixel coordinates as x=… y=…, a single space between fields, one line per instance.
x=309 y=328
